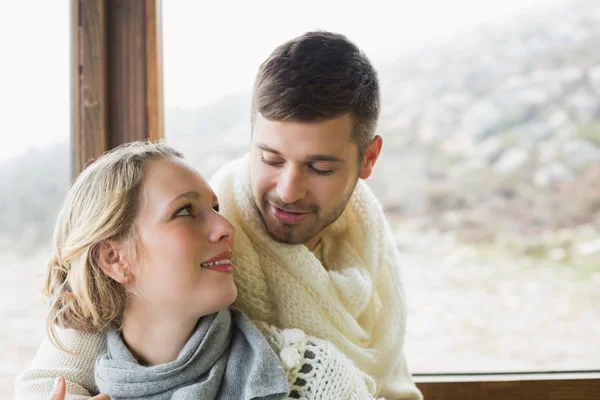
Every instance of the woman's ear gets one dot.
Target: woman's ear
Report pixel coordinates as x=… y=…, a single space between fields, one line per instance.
x=112 y=260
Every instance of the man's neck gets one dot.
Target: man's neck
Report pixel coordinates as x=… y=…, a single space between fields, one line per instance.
x=155 y=337
x=312 y=243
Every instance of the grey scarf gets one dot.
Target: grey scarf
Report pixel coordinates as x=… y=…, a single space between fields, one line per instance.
x=225 y=358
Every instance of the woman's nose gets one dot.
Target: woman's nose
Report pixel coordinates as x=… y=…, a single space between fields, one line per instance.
x=223 y=230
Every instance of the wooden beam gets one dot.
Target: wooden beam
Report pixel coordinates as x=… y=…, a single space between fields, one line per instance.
x=154 y=76
x=89 y=78
x=117 y=75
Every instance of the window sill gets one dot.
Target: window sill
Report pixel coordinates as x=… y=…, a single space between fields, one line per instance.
x=582 y=385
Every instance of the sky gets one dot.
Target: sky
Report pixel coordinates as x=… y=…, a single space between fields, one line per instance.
x=211 y=48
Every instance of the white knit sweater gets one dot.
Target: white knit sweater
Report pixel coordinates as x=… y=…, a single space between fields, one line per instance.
x=349 y=294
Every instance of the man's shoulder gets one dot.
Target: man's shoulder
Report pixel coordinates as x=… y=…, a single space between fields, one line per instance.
x=227 y=171
x=363 y=199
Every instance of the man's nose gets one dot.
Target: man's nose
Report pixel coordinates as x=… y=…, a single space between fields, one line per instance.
x=291 y=186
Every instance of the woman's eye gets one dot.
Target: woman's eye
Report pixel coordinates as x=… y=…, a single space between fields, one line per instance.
x=216 y=208
x=184 y=212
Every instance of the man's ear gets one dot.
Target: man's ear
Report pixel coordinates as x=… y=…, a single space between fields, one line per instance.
x=112 y=261
x=370 y=157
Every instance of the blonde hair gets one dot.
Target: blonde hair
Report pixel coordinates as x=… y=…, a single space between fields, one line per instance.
x=102 y=204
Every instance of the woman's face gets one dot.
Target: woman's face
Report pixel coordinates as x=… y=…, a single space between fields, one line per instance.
x=184 y=245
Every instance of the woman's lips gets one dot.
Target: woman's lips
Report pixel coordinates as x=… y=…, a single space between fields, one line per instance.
x=225 y=268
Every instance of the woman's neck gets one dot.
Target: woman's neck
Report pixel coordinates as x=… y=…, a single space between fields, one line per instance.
x=155 y=337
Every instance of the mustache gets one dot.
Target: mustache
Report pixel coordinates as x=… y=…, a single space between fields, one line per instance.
x=295 y=207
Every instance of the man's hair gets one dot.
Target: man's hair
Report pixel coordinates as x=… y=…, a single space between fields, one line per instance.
x=317 y=77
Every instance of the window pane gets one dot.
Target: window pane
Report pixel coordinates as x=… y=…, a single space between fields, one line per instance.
x=490 y=172
x=34 y=168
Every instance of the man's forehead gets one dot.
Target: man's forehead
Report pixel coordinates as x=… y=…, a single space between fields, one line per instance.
x=316 y=139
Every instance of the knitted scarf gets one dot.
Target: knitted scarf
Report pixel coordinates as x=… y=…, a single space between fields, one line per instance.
x=353 y=297
x=225 y=358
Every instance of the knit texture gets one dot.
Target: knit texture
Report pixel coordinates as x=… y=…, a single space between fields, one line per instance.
x=353 y=297
x=316 y=369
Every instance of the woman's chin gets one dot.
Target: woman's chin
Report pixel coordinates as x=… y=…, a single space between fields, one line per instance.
x=220 y=300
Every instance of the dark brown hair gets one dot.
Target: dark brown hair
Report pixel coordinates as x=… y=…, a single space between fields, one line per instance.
x=317 y=77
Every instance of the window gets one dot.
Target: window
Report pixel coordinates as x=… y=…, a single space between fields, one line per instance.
x=34 y=169
x=490 y=169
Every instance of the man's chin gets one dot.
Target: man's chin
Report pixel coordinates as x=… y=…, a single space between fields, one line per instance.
x=288 y=236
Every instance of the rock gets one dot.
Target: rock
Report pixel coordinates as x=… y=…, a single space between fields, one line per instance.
x=580 y=152
x=466 y=167
x=584 y=105
x=482 y=119
x=557 y=254
x=547 y=152
x=511 y=161
x=570 y=74
x=557 y=118
x=536 y=130
x=594 y=76
x=555 y=172
x=491 y=149
x=588 y=249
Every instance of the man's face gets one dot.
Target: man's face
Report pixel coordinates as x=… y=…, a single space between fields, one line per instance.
x=302 y=175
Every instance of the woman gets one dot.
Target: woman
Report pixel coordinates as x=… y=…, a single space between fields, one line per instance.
x=142 y=261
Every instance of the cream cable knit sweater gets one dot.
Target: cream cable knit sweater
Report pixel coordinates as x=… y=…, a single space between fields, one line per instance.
x=352 y=297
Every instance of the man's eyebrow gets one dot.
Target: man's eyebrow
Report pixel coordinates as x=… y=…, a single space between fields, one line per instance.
x=311 y=158
x=266 y=148
x=192 y=195
x=324 y=157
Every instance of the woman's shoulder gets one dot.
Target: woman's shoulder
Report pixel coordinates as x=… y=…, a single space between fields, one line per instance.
x=76 y=365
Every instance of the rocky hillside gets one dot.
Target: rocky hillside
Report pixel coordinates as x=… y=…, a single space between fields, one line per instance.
x=494 y=135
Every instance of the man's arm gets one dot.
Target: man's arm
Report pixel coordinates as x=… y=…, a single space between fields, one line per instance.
x=76 y=367
x=316 y=368
x=400 y=386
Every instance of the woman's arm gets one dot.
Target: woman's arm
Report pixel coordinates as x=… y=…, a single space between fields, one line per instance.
x=50 y=362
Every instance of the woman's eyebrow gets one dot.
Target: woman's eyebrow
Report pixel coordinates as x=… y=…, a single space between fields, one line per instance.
x=192 y=195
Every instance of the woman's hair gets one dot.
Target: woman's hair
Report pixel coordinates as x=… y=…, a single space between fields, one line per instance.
x=101 y=205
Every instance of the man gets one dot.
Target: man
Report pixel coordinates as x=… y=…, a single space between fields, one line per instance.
x=313 y=249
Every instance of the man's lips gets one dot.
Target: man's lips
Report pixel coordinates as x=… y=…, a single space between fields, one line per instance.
x=288 y=217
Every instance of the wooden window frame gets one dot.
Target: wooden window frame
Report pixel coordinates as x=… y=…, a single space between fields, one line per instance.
x=116 y=65
x=117 y=97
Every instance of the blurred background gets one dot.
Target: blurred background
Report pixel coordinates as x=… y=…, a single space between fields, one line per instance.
x=490 y=172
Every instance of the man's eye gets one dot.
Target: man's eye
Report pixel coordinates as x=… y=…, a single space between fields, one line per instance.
x=321 y=171
x=216 y=208
x=185 y=211
x=269 y=162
